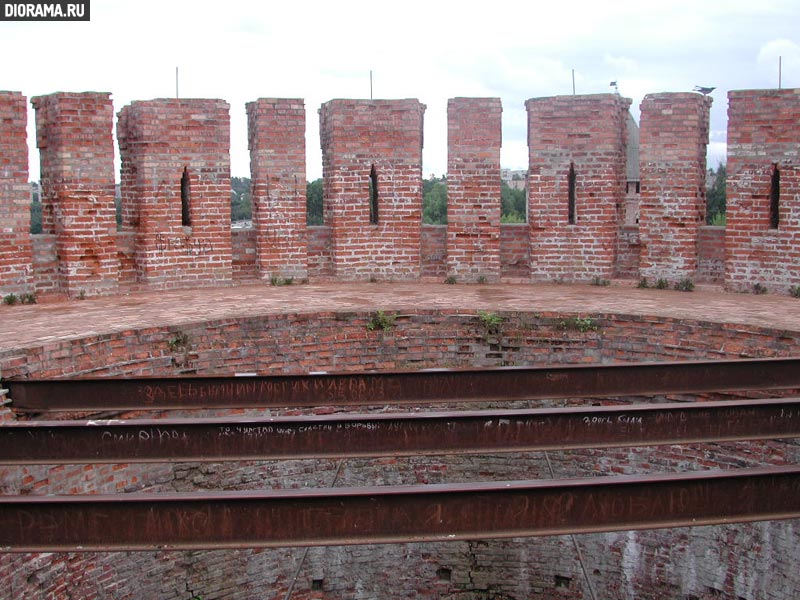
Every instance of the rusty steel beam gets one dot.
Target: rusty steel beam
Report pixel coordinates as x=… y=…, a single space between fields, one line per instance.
x=414 y=387
x=213 y=440
x=125 y=522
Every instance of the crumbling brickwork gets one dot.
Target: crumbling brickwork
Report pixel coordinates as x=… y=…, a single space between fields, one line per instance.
x=474 y=133
x=372 y=170
x=76 y=150
x=763 y=195
x=16 y=268
x=277 y=144
x=576 y=184
x=176 y=190
x=673 y=142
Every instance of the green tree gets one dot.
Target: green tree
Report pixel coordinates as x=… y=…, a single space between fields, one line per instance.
x=434 y=200
x=314 y=215
x=118 y=206
x=715 y=196
x=241 y=203
x=514 y=206
x=36 y=209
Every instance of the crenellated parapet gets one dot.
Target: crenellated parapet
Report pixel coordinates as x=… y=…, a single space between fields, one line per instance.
x=16 y=260
x=673 y=141
x=606 y=198
x=576 y=184
x=372 y=171
x=76 y=151
x=763 y=228
x=176 y=188
x=277 y=143
x=474 y=128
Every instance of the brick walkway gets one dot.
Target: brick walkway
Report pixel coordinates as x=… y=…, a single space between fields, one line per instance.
x=22 y=326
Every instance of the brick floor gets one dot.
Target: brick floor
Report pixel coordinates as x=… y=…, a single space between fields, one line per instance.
x=22 y=326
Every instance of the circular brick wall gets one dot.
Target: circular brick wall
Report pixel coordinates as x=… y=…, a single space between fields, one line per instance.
x=732 y=562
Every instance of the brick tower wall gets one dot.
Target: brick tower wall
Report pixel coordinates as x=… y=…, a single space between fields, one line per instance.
x=76 y=149
x=474 y=134
x=673 y=142
x=380 y=141
x=161 y=139
x=587 y=133
x=176 y=190
x=763 y=136
x=724 y=562
x=15 y=197
x=277 y=144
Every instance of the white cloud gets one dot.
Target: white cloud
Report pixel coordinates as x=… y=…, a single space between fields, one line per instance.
x=716 y=155
x=317 y=50
x=620 y=63
x=785 y=53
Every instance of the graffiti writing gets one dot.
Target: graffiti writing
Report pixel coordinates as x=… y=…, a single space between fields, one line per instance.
x=186 y=243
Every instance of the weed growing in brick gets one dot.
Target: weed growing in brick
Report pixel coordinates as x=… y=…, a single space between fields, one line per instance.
x=583 y=325
x=179 y=342
x=684 y=285
x=643 y=284
x=794 y=291
x=278 y=280
x=599 y=281
x=380 y=320
x=490 y=321
x=450 y=280
x=759 y=288
x=10 y=299
x=662 y=284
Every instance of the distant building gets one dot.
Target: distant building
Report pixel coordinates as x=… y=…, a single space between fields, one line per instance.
x=633 y=181
x=515 y=179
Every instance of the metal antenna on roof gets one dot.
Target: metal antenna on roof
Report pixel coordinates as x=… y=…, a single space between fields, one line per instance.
x=573 y=82
x=780 y=60
x=370 y=84
x=176 y=83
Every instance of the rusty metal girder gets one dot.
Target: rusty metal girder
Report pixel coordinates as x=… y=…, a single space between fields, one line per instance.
x=210 y=440
x=395 y=514
x=414 y=387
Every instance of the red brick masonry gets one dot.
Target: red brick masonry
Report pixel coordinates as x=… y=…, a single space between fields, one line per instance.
x=175 y=194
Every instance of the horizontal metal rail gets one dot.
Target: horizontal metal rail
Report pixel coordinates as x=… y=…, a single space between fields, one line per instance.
x=210 y=440
x=414 y=387
x=395 y=514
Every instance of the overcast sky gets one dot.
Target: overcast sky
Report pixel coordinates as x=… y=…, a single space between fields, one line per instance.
x=431 y=50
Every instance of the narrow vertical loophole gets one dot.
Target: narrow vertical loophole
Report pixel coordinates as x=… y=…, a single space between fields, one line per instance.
x=186 y=219
x=775 y=198
x=373 y=195
x=562 y=582
x=571 y=194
